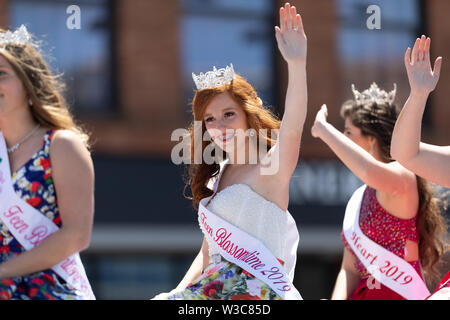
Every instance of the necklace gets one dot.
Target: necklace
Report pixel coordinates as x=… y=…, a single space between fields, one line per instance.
x=17 y=145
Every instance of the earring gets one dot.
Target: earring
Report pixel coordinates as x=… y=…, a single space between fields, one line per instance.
x=30 y=102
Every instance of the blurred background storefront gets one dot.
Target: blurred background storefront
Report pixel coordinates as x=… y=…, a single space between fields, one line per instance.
x=128 y=70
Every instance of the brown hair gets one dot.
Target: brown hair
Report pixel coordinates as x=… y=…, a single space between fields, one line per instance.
x=378 y=120
x=45 y=90
x=258 y=118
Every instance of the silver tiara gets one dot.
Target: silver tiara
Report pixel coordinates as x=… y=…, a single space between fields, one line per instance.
x=214 y=78
x=21 y=35
x=374 y=94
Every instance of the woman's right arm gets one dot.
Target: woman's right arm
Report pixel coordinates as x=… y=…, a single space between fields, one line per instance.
x=347 y=279
x=390 y=178
x=196 y=269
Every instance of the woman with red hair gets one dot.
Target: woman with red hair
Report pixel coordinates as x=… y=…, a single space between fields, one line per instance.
x=250 y=239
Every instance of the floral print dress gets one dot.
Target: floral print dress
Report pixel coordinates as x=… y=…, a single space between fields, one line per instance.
x=240 y=205
x=33 y=183
x=226 y=281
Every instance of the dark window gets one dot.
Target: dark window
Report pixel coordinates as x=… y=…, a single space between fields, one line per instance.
x=220 y=32
x=376 y=55
x=84 y=55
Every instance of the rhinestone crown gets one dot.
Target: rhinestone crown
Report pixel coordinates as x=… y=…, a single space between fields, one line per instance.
x=374 y=94
x=21 y=35
x=214 y=78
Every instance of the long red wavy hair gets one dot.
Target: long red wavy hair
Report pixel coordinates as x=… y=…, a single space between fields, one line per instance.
x=258 y=117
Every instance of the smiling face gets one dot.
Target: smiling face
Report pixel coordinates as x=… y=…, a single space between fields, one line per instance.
x=355 y=134
x=226 y=122
x=13 y=97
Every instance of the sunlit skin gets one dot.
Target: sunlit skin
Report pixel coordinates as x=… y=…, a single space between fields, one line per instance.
x=355 y=134
x=396 y=187
x=429 y=161
x=15 y=119
x=226 y=123
x=12 y=93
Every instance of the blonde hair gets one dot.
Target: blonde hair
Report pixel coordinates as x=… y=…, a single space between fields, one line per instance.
x=45 y=90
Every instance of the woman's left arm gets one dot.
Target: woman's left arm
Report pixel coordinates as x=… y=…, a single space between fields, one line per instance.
x=73 y=177
x=428 y=161
x=292 y=44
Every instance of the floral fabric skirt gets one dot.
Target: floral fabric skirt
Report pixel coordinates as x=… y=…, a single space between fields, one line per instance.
x=44 y=285
x=226 y=281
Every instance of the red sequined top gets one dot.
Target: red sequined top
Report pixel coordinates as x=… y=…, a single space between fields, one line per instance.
x=388 y=231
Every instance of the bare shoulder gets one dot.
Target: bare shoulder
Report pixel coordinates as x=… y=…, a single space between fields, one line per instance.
x=407 y=176
x=404 y=202
x=274 y=188
x=67 y=148
x=67 y=140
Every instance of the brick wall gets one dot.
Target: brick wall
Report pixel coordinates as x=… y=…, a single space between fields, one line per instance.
x=320 y=22
x=149 y=89
x=4 y=13
x=438 y=27
x=150 y=99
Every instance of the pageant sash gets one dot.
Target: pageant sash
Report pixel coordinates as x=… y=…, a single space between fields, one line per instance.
x=29 y=227
x=445 y=281
x=292 y=237
x=244 y=250
x=386 y=267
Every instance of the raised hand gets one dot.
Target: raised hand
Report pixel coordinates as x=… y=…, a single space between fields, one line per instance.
x=320 y=121
x=290 y=35
x=422 y=78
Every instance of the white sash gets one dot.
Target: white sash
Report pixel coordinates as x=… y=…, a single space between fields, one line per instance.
x=249 y=253
x=386 y=267
x=29 y=227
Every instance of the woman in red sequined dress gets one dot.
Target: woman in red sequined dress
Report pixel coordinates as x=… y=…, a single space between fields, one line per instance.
x=429 y=161
x=398 y=210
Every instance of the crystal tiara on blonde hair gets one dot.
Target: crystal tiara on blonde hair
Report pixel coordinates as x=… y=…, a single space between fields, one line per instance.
x=214 y=78
x=374 y=94
x=21 y=35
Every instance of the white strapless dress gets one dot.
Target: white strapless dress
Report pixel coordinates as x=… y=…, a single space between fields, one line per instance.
x=241 y=206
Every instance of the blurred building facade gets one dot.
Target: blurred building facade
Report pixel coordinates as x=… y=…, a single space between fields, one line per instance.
x=128 y=71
